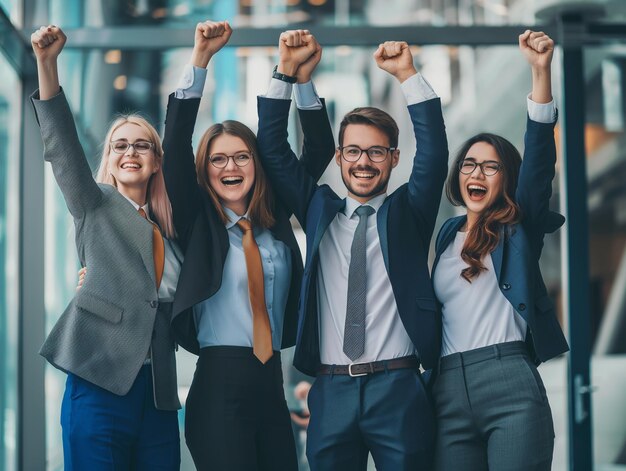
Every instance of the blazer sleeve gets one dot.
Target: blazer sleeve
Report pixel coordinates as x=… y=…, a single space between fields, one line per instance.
x=179 y=168
x=319 y=145
x=63 y=150
x=534 y=186
x=430 y=164
x=289 y=177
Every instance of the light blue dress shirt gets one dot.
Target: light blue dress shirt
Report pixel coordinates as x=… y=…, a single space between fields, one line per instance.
x=226 y=317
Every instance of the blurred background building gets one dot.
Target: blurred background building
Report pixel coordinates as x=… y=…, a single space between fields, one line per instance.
x=126 y=55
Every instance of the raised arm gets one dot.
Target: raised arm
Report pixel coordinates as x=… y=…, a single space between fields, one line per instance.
x=318 y=148
x=431 y=154
x=61 y=144
x=293 y=180
x=179 y=167
x=534 y=187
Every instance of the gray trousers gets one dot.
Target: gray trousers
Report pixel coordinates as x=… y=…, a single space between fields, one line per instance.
x=492 y=411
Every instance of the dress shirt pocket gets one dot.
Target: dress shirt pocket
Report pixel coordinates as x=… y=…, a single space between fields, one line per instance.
x=427 y=304
x=100 y=307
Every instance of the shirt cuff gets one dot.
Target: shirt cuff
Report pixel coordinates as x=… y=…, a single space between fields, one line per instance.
x=541 y=112
x=279 y=90
x=416 y=89
x=306 y=96
x=191 y=84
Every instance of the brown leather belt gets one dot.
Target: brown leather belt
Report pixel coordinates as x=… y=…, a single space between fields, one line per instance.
x=362 y=369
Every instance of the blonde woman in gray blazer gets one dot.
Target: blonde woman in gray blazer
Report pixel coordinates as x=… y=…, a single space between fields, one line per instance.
x=113 y=340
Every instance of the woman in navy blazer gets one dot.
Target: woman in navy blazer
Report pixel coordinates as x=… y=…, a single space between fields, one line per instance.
x=236 y=417
x=497 y=319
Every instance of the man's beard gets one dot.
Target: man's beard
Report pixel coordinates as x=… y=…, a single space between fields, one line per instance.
x=377 y=190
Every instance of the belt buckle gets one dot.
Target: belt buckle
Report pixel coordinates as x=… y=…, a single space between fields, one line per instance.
x=355 y=375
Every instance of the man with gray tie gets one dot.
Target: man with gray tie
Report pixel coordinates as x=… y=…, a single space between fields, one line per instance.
x=368 y=316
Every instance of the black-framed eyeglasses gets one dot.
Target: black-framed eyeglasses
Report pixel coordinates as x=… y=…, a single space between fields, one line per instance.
x=241 y=159
x=488 y=167
x=375 y=153
x=141 y=147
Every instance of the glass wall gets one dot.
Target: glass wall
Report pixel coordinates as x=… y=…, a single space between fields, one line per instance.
x=9 y=239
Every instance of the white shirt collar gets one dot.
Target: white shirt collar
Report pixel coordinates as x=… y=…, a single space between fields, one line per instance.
x=351 y=204
x=145 y=207
x=233 y=217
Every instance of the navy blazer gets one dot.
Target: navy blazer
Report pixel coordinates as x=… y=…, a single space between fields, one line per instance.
x=202 y=234
x=516 y=257
x=405 y=225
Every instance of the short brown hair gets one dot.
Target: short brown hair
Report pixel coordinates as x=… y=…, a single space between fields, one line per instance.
x=261 y=200
x=372 y=117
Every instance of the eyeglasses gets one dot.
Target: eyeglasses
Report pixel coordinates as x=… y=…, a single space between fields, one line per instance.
x=141 y=147
x=241 y=159
x=375 y=153
x=489 y=167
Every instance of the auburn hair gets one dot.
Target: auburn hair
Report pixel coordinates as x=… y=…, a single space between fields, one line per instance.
x=483 y=237
x=156 y=194
x=372 y=117
x=260 y=198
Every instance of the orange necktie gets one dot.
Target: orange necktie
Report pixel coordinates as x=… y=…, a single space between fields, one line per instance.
x=158 y=249
x=261 y=330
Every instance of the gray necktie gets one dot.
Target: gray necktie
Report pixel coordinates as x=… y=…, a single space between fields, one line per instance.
x=354 y=331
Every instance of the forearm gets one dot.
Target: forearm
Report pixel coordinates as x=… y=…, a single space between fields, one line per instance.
x=48 y=76
x=542 y=85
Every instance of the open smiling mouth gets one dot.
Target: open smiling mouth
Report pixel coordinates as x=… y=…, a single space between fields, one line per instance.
x=131 y=165
x=232 y=181
x=364 y=174
x=476 y=192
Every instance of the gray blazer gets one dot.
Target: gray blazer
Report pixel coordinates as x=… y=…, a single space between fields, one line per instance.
x=106 y=331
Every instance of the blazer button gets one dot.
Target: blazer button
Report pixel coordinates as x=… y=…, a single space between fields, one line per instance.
x=521 y=307
x=506 y=286
x=154 y=304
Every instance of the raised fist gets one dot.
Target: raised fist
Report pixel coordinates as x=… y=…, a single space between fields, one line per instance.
x=210 y=37
x=48 y=42
x=295 y=47
x=537 y=48
x=395 y=58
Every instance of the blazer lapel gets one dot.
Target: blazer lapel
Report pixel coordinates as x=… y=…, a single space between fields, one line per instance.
x=496 y=255
x=382 y=216
x=329 y=211
x=448 y=236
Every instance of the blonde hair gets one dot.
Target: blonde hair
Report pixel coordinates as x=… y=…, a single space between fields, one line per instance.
x=156 y=194
x=260 y=198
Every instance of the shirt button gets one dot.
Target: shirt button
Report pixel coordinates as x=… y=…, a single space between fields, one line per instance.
x=154 y=304
x=506 y=286
x=521 y=307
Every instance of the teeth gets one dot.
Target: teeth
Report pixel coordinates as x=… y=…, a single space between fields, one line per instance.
x=232 y=180
x=363 y=175
x=476 y=187
x=130 y=165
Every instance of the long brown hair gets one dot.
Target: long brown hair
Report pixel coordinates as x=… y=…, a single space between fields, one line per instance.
x=157 y=197
x=483 y=237
x=260 y=202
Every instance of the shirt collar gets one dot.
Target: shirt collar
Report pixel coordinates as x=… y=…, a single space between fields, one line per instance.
x=145 y=207
x=351 y=204
x=233 y=217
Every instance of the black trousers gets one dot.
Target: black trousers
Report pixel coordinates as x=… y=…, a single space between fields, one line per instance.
x=236 y=417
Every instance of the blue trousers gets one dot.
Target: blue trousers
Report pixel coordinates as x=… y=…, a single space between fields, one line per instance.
x=387 y=414
x=104 y=432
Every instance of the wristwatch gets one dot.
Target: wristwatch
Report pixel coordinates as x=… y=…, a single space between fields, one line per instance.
x=285 y=78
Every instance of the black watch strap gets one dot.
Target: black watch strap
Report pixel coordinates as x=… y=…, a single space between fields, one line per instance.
x=285 y=78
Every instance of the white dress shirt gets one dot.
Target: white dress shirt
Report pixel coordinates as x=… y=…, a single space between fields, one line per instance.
x=385 y=335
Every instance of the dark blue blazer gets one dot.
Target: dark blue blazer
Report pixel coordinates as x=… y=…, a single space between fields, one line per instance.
x=516 y=258
x=405 y=225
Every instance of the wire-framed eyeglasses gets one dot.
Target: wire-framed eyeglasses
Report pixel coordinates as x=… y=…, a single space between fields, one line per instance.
x=241 y=159
x=375 y=153
x=121 y=146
